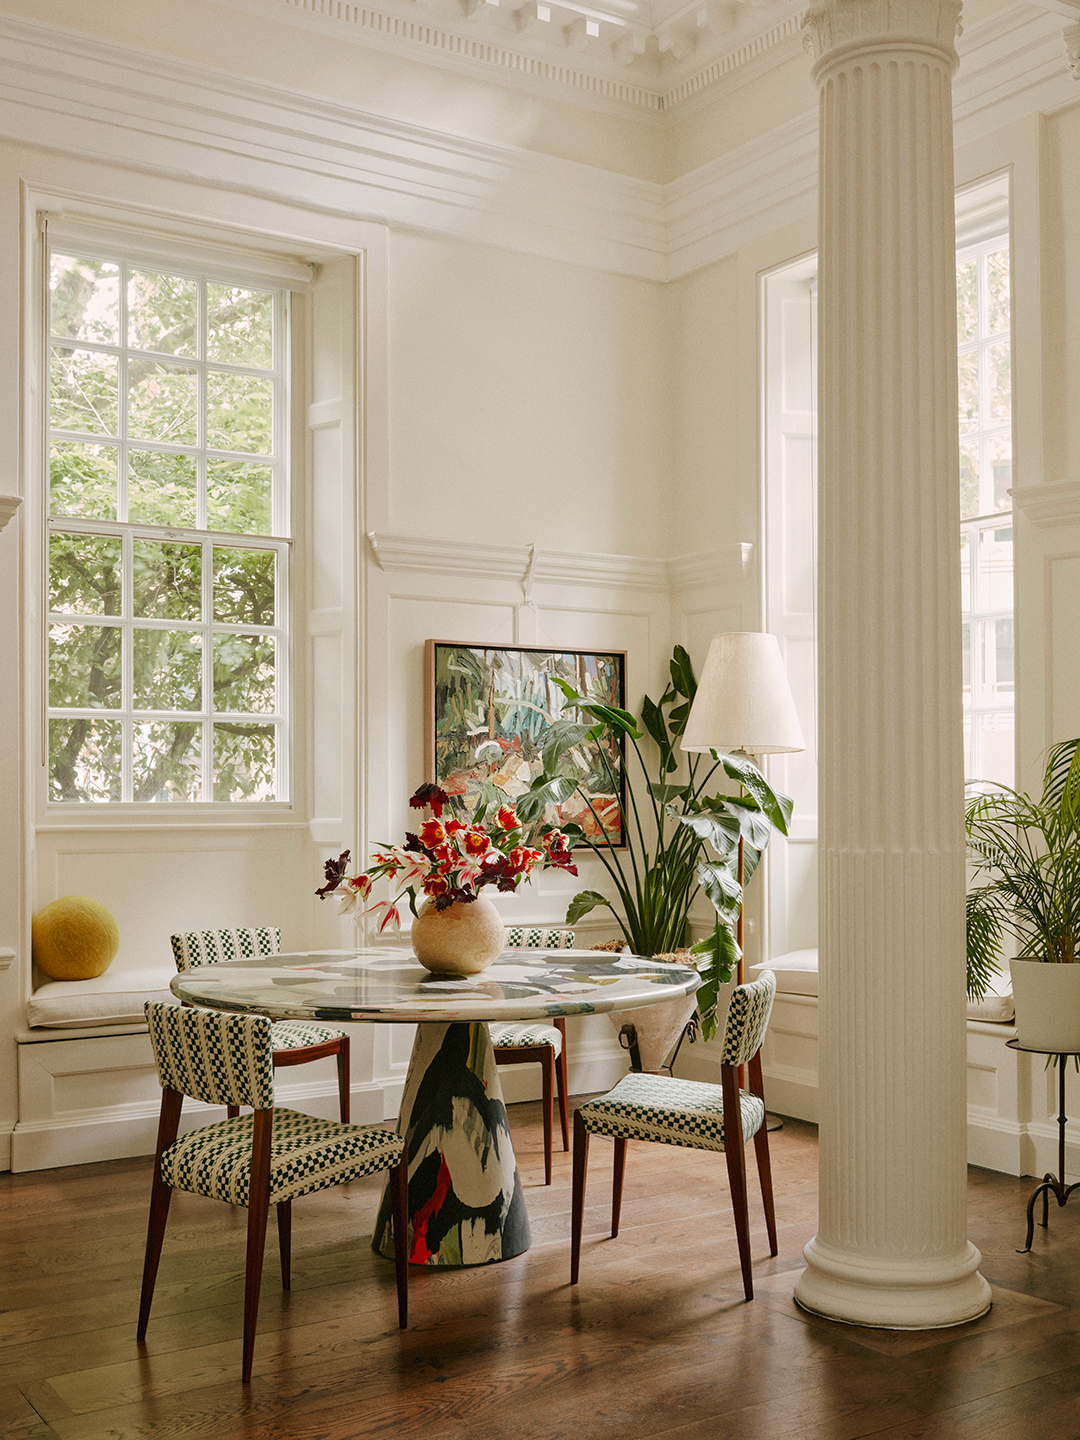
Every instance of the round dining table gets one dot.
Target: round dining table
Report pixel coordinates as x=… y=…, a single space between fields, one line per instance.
x=466 y=1205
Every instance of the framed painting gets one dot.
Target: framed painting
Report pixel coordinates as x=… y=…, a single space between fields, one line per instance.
x=488 y=707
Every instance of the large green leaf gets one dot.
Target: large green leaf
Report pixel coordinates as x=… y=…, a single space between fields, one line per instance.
x=583 y=902
x=682 y=674
x=756 y=826
x=530 y=806
x=616 y=719
x=722 y=888
x=718 y=826
x=716 y=958
x=775 y=805
x=666 y=794
x=652 y=717
x=561 y=736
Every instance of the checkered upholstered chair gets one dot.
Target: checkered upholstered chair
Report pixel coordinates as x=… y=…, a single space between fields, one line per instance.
x=255 y=1160
x=688 y=1112
x=295 y=1041
x=535 y=1043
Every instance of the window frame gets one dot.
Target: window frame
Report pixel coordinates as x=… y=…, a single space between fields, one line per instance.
x=164 y=253
x=979 y=620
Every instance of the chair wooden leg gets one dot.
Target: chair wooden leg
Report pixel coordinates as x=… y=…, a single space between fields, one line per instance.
x=764 y=1165
x=564 y=1091
x=284 y=1240
x=547 y=1075
x=160 y=1197
x=618 y=1170
x=232 y=1111
x=399 y=1202
x=577 y=1215
x=736 y=1168
x=343 y=1080
x=258 y=1213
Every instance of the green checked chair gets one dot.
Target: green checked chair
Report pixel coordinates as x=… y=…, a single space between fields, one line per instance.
x=688 y=1112
x=534 y=1043
x=267 y=1158
x=295 y=1041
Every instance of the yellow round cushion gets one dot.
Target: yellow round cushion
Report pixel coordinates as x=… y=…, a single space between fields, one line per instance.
x=74 y=938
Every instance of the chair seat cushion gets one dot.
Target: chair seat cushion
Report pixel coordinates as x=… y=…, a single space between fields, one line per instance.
x=295 y=1034
x=673 y=1112
x=511 y=1037
x=307 y=1154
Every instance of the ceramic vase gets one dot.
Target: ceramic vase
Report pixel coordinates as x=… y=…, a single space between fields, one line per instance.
x=463 y=939
x=1047 y=1000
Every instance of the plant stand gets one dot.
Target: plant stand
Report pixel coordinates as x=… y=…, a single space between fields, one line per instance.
x=1049 y=1183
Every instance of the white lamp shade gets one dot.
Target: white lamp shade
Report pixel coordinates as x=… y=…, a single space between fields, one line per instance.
x=743 y=699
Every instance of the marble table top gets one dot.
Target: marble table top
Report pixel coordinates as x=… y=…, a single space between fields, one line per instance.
x=390 y=984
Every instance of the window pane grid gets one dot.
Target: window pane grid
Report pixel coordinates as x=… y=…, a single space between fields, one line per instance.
x=984 y=364
x=197 y=708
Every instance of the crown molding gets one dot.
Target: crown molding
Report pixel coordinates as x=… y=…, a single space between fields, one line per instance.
x=641 y=58
x=71 y=94
x=1049 y=504
x=75 y=95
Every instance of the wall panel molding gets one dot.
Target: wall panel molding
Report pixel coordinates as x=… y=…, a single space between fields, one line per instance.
x=511 y=562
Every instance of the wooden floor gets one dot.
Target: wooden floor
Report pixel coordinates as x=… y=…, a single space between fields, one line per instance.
x=656 y=1340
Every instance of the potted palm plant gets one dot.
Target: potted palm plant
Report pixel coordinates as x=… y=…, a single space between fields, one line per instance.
x=1029 y=853
x=681 y=834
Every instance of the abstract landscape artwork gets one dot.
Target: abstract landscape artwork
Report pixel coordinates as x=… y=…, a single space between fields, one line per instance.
x=488 y=710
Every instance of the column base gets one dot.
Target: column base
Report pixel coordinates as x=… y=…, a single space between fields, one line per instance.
x=892 y=1294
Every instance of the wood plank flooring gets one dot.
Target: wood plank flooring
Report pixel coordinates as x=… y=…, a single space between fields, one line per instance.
x=656 y=1340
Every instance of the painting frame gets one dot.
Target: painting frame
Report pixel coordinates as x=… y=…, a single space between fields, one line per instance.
x=514 y=676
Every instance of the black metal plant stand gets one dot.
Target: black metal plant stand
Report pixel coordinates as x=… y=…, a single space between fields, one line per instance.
x=1054 y=1183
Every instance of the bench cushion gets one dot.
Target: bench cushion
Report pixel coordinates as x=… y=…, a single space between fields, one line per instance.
x=115 y=998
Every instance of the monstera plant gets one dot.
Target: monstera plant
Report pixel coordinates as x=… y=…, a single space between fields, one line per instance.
x=681 y=831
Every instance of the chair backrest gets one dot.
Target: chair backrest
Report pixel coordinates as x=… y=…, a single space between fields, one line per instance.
x=747 y=1019
x=538 y=937
x=209 y=947
x=217 y=1058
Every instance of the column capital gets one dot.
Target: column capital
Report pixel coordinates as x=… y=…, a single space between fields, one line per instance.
x=829 y=24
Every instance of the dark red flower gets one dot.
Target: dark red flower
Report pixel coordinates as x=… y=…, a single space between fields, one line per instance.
x=334 y=870
x=431 y=797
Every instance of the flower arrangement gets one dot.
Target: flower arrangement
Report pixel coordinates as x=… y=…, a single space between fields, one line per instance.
x=448 y=860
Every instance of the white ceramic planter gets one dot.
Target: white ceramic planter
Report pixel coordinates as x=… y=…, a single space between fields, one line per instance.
x=657 y=1028
x=1047 y=1000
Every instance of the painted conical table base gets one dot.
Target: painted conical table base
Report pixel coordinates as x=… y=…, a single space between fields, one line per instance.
x=465 y=1200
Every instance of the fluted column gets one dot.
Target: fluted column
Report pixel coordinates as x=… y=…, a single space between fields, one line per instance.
x=891 y=1248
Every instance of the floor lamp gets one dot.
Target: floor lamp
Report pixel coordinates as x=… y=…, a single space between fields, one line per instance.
x=743 y=702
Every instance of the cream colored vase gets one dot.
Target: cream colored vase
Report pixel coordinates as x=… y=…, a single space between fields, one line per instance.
x=463 y=939
x=1047 y=1000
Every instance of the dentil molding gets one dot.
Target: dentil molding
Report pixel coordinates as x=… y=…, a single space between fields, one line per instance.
x=650 y=56
x=75 y=95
